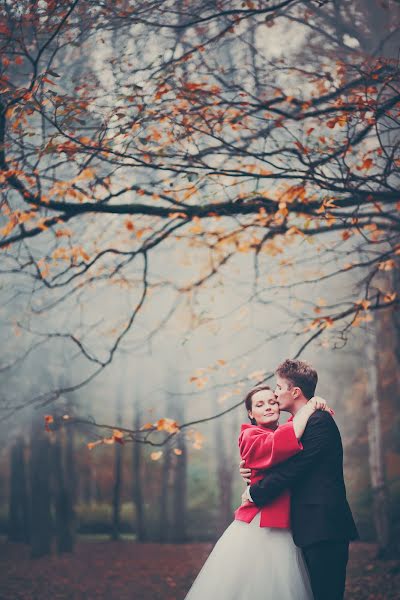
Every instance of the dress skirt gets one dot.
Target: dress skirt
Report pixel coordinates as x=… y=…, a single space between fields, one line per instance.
x=250 y=562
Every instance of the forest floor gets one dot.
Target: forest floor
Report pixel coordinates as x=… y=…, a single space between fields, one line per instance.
x=125 y=570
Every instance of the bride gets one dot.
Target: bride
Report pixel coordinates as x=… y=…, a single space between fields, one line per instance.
x=256 y=557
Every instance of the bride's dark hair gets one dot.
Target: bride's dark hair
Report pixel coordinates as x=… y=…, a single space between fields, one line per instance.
x=248 y=401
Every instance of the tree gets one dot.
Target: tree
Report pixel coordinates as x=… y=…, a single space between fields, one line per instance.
x=180 y=465
x=291 y=164
x=40 y=473
x=214 y=146
x=118 y=458
x=18 y=519
x=225 y=432
x=367 y=26
x=63 y=498
x=140 y=525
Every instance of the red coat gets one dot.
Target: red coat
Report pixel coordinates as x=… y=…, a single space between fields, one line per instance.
x=262 y=448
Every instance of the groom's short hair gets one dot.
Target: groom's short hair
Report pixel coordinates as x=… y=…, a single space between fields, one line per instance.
x=299 y=374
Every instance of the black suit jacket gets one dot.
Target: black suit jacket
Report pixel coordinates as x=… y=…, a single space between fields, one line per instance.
x=319 y=508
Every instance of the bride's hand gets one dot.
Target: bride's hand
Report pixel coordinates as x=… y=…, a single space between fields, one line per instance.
x=245 y=473
x=319 y=403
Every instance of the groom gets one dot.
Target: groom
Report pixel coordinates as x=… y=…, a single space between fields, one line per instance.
x=321 y=520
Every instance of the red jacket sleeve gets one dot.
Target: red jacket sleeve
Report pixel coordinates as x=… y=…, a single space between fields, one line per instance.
x=261 y=448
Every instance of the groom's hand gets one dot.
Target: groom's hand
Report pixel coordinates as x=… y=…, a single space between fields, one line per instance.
x=245 y=499
x=245 y=473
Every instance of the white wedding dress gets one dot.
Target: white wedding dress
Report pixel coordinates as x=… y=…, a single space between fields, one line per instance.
x=250 y=562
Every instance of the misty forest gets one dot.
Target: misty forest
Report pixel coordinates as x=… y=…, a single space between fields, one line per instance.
x=191 y=191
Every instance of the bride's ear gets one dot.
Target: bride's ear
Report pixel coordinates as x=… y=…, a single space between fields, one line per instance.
x=252 y=421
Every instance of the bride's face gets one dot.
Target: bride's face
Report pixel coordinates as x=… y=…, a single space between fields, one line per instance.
x=264 y=408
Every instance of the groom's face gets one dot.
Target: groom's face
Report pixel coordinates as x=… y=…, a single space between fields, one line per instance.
x=284 y=393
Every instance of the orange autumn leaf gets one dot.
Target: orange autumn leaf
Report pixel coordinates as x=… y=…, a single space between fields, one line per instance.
x=328 y=322
x=155 y=135
x=365 y=304
x=389 y=297
x=177 y=451
x=109 y=441
x=48 y=419
x=8 y=228
x=85 y=174
x=118 y=436
x=181 y=215
x=63 y=233
x=199 y=381
x=301 y=147
x=92 y=445
x=147 y=426
x=156 y=455
x=366 y=164
x=257 y=375
x=129 y=225
x=387 y=265
x=193 y=86
x=198 y=440
x=168 y=425
x=197 y=226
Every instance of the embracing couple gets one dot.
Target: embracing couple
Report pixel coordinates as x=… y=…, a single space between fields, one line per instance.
x=290 y=537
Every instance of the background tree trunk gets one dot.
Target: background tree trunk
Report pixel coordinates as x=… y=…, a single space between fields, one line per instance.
x=72 y=479
x=380 y=493
x=86 y=488
x=179 y=507
x=116 y=501
x=40 y=469
x=164 y=527
x=140 y=524
x=63 y=504
x=224 y=472
x=18 y=516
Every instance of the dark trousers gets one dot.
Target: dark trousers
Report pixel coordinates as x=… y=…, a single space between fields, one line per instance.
x=326 y=563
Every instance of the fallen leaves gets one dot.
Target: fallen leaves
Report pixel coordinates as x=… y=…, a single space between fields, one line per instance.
x=154 y=572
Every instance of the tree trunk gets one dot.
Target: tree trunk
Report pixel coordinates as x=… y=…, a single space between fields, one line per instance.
x=116 y=502
x=224 y=475
x=63 y=505
x=98 y=491
x=41 y=521
x=164 y=528
x=380 y=492
x=18 y=516
x=137 y=482
x=70 y=465
x=179 y=506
